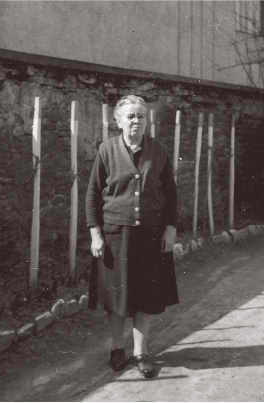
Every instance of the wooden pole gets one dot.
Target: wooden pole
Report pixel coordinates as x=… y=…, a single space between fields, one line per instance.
x=34 y=247
x=74 y=188
x=197 y=166
x=176 y=144
x=232 y=174
x=209 y=173
x=105 y=121
x=152 y=123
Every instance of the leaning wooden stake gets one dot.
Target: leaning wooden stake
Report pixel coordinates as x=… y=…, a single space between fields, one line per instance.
x=176 y=145
x=197 y=166
x=74 y=189
x=152 y=123
x=232 y=175
x=34 y=247
x=209 y=173
x=105 y=121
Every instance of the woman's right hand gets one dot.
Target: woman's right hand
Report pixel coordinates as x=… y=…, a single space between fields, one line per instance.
x=98 y=243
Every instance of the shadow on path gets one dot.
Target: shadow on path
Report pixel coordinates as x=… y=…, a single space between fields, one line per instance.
x=212 y=283
x=207 y=358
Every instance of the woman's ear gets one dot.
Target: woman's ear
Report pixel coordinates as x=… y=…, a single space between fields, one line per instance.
x=118 y=123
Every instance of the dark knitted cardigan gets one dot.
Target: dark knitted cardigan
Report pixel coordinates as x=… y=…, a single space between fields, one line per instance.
x=121 y=193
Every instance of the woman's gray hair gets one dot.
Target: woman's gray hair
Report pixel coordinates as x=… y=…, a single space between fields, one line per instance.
x=128 y=99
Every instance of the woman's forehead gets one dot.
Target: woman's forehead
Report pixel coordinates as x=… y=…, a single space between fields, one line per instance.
x=132 y=108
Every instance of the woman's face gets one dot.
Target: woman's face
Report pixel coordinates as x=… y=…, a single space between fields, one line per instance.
x=132 y=120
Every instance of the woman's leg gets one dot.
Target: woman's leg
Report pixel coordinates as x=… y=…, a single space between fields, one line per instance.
x=117 y=324
x=140 y=332
x=117 y=357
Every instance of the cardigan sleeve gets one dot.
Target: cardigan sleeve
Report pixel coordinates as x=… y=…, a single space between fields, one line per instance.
x=170 y=192
x=94 y=201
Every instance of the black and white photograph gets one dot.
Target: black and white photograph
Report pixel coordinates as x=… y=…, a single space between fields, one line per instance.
x=131 y=201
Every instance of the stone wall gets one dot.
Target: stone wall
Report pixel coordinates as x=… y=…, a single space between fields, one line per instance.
x=20 y=83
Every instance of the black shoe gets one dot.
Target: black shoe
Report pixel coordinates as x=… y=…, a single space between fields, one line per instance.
x=144 y=365
x=117 y=359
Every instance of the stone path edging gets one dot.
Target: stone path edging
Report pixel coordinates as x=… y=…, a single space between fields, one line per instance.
x=62 y=309
x=180 y=250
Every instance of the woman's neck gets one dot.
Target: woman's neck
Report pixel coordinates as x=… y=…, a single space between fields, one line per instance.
x=132 y=141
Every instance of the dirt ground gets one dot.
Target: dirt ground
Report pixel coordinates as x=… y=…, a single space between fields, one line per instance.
x=69 y=360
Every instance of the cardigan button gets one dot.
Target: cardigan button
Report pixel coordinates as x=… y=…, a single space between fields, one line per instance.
x=136 y=208
x=137 y=176
x=137 y=222
x=136 y=193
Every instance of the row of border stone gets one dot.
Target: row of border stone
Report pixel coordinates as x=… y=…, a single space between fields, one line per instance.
x=62 y=309
x=180 y=250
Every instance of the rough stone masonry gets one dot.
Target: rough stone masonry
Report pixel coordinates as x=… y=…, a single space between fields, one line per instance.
x=57 y=87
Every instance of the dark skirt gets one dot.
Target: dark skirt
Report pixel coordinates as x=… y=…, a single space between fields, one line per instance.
x=134 y=275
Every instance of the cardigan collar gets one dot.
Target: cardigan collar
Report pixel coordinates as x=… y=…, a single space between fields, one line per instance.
x=137 y=148
x=128 y=158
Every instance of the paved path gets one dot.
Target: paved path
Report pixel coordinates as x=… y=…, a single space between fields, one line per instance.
x=215 y=352
x=210 y=347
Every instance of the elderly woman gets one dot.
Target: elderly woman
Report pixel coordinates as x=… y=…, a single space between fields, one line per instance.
x=131 y=213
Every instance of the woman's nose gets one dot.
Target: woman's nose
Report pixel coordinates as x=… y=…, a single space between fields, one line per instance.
x=136 y=119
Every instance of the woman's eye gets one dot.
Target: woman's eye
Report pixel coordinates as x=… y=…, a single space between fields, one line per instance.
x=131 y=117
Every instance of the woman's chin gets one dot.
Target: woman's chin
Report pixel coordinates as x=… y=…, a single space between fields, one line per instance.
x=136 y=133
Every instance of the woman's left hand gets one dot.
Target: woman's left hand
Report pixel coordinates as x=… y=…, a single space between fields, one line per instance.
x=168 y=239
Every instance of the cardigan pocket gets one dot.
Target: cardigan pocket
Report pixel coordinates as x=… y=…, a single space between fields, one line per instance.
x=112 y=228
